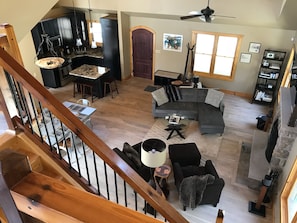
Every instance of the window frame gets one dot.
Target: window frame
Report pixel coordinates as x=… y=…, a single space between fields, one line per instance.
x=212 y=65
x=288 y=187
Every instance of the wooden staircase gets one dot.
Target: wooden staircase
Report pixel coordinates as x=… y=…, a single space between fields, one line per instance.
x=47 y=196
x=24 y=97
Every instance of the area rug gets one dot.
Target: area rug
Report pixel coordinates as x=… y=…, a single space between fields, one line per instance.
x=243 y=168
x=208 y=145
x=150 y=88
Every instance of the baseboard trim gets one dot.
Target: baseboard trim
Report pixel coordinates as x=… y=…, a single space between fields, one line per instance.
x=240 y=94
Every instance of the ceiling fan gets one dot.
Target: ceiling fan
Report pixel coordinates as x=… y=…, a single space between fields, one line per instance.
x=206 y=14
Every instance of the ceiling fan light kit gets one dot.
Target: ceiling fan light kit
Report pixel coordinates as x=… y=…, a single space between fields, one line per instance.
x=206 y=14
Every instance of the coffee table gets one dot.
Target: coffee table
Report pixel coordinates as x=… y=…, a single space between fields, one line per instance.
x=174 y=125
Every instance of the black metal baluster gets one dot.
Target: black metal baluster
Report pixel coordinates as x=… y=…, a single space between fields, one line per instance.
x=106 y=181
x=86 y=162
x=53 y=120
x=24 y=102
x=35 y=114
x=135 y=197
x=125 y=194
x=45 y=127
x=65 y=141
x=76 y=155
x=96 y=173
x=116 y=186
x=13 y=91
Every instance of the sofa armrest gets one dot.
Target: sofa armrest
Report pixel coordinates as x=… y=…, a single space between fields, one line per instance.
x=222 y=107
x=209 y=168
x=137 y=147
x=212 y=192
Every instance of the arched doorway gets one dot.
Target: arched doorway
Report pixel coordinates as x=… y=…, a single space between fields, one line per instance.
x=142 y=52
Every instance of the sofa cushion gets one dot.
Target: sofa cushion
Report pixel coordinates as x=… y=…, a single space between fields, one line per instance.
x=214 y=97
x=132 y=154
x=210 y=119
x=160 y=96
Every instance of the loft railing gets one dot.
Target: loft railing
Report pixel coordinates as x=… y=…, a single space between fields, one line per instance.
x=96 y=167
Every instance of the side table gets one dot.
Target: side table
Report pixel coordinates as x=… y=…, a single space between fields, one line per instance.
x=162 y=172
x=161 y=175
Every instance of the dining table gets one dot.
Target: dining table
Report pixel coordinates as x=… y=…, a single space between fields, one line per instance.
x=92 y=75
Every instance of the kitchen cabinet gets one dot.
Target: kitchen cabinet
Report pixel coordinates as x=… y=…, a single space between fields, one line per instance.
x=111 y=53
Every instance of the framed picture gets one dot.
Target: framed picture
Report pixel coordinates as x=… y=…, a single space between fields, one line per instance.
x=245 y=58
x=254 y=47
x=172 y=42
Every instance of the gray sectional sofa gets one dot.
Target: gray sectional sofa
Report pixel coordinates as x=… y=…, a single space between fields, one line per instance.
x=202 y=104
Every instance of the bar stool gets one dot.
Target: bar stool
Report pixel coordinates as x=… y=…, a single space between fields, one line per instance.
x=87 y=89
x=111 y=84
x=83 y=87
x=76 y=85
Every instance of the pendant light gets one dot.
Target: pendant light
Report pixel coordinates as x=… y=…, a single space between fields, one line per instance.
x=51 y=62
x=93 y=44
x=78 y=41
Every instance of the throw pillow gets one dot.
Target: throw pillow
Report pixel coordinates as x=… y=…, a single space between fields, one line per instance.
x=214 y=97
x=173 y=93
x=160 y=96
x=132 y=154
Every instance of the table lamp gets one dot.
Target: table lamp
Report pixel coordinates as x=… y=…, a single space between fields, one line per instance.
x=153 y=154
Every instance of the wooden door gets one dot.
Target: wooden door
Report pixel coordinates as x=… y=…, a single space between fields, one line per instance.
x=142 y=49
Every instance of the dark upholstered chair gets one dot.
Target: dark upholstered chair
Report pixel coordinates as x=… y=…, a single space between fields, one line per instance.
x=141 y=169
x=185 y=160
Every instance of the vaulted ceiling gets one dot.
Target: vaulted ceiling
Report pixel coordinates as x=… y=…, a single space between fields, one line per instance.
x=280 y=14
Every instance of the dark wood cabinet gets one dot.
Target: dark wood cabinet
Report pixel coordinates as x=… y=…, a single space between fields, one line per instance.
x=111 y=53
x=80 y=60
x=57 y=77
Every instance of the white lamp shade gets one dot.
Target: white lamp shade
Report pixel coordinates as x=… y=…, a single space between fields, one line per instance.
x=153 y=153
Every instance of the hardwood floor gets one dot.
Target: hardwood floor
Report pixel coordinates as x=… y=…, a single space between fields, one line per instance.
x=128 y=117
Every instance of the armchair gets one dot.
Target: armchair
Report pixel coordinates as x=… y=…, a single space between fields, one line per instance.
x=187 y=171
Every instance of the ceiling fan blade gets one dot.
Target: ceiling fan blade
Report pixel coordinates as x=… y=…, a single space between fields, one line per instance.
x=225 y=16
x=189 y=16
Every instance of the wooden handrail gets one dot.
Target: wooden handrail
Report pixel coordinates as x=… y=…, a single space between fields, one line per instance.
x=82 y=131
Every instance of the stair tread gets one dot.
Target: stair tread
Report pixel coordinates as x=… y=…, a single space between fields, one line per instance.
x=64 y=198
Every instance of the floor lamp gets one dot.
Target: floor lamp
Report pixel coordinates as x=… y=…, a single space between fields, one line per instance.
x=153 y=154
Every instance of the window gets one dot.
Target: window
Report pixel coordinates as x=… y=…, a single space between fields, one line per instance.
x=216 y=54
x=95 y=33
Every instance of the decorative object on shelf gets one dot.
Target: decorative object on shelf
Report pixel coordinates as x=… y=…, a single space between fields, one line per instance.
x=172 y=42
x=93 y=44
x=245 y=58
x=254 y=47
x=48 y=62
x=268 y=77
